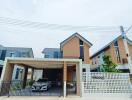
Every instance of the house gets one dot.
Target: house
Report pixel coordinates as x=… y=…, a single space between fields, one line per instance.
x=116 y=50
x=62 y=66
x=74 y=47
x=14 y=52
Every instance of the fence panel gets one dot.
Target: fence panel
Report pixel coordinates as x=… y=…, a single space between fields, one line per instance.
x=15 y=88
x=106 y=83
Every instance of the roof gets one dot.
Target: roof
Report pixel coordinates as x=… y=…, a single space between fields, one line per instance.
x=129 y=41
x=18 y=48
x=50 y=49
x=1 y=45
x=108 y=45
x=22 y=49
x=75 y=35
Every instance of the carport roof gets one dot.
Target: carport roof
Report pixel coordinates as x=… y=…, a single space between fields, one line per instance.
x=41 y=62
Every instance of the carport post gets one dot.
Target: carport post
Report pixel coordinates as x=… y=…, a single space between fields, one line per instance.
x=78 y=74
x=64 y=78
x=25 y=76
x=6 y=77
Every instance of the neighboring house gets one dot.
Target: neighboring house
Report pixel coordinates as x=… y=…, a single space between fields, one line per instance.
x=74 y=47
x=116 y=50
x=14 y=52
x=52 y=53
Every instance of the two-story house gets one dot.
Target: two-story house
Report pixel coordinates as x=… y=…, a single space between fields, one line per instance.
x=116 y=50
x=14 y=52
x=62 y=66
x=74 y=47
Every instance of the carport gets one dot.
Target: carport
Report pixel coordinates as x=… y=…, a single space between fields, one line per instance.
x=35 y=63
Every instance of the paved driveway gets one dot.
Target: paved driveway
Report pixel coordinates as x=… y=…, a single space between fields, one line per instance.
x=61 y=98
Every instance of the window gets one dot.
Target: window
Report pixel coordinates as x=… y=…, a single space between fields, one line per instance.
x=84 y=70
x=12 y=54
x=56 y=54
x=82 y=53
x=115 y=43
x=117 y=51
x=46 y=56
x=17 y=73
x=117 y=54
x=24 y=54
x=92 y=63
x=81 y=50
x=81 y=42
x=3 y=55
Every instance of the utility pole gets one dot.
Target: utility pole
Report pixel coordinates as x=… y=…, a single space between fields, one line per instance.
x=126 y=49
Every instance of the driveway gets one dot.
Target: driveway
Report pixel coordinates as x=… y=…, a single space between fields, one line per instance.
x=61 y=98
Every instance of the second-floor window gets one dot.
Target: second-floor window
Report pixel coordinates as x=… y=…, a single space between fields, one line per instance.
x=56 y=54
x=81 y=50
x=3 y=55
x=117 y=52
x=46 y=56
x=24 y=54
x=116 y=43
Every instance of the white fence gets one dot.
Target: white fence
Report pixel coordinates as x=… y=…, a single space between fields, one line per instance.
x=106 y=83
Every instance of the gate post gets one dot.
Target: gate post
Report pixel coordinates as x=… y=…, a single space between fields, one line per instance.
x=82 y=85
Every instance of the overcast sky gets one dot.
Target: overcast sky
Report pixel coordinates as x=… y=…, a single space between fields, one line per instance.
x=101 y=13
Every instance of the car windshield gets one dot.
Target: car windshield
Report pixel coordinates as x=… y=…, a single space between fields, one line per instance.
x=42 y=80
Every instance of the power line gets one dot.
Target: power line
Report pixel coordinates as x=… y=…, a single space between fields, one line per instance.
x=39 y=25
x=128 y=29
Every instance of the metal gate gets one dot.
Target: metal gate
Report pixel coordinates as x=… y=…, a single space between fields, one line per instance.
x=15 y=88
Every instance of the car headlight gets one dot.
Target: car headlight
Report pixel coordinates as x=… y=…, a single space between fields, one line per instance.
x=44 y=85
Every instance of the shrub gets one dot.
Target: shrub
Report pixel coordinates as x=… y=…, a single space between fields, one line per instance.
x=109 y=65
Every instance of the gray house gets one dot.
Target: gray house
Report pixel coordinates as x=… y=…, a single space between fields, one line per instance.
x=14 y=52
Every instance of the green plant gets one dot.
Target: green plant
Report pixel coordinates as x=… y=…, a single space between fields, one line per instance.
x=109 y=65
x=31 y=82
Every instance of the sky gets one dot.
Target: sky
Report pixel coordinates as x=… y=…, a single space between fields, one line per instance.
x=106 y=15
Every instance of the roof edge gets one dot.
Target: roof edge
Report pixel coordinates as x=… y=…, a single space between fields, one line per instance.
x=73 y=35
x=95 y=54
